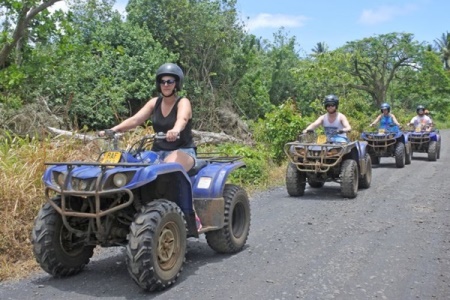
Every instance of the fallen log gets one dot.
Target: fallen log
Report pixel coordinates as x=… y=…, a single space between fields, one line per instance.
x=200 y=137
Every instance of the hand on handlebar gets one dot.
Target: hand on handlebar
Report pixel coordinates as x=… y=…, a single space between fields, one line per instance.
x=106 y=132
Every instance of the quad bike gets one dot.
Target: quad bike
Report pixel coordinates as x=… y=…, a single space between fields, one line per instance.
x=317 y=159
x=130 y=198
x=388 y=141
x=426 y=140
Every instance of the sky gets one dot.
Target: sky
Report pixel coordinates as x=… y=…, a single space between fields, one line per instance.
x=335 y=22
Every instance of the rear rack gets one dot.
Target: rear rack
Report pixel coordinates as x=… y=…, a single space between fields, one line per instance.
x=217 y=157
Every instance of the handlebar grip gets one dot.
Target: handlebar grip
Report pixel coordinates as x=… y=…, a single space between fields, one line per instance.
x=160 y=136
x=109 y=132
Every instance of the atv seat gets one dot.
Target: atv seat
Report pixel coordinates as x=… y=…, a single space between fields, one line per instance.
x=199 y=164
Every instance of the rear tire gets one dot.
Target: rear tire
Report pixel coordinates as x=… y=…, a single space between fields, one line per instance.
x=156 y=247
x=375 y=159
x=58 y=251
x=234 y=233
x=432 y=151
x=295 y=181
x=316 y=184
x=366 y=179
x=400 y=155
x=349 y=178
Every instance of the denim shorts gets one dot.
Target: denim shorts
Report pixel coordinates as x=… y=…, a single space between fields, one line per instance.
x=189 y=151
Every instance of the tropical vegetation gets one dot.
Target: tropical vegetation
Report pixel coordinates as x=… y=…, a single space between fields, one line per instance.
x=89 y=67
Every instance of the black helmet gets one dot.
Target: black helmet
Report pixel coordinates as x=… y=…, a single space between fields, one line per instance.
x=331 y=99
x=420 y=107
x=171 y=70
x=385 y=106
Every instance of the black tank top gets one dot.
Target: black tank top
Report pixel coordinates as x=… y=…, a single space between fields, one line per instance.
x=163 y=124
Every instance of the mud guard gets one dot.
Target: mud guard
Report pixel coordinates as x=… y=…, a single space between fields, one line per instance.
x=208 y=187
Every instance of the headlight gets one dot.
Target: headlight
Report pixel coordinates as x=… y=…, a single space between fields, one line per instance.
x=300 y=151
x=59 y=178
x=332 y=152
x=120 y=179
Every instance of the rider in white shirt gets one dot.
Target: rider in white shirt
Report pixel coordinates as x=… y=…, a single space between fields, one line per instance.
x=421 y=121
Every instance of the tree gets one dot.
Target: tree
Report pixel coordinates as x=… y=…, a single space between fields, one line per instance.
x=375 y=61
x=320 y=47
x=21 y=13
x=283 y=58
x=443 y=47
x=205 y=34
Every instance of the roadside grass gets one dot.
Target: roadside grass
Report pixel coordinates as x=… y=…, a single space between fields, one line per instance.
x=22 y=195
x=22 y=192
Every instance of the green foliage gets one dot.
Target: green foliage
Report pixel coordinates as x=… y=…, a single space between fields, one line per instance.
x=281 y=125
x=206 y=36
x=443 y=46
x=283 y=56
x=257 y=168
x=376 y=61
x=118 y=65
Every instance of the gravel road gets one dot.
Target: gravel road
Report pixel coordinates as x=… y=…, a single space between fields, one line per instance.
x=391 y=242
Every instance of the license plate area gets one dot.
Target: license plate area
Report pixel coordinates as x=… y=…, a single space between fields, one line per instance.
x=111 y=157
x=321 y=139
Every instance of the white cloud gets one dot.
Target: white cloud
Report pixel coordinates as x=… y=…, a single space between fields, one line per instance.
x=384 y=13
x=58 y=5
x=275 y=21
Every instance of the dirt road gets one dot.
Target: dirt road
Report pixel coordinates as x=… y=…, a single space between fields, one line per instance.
x=391 y=242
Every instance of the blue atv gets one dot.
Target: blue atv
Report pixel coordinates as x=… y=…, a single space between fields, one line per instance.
x=426 y=141
x=130 y=198
x=388 y=141
x=316 y=159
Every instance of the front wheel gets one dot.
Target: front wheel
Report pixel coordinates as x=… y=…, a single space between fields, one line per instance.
x=399 y=155
x=366 y=179
x=349 y=178
x=408 y=157
x=157 y=245
x=295 y=181
x=58 y=251
x=234 y=233
x=432 y=151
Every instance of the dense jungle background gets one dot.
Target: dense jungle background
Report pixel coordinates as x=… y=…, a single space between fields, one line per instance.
x=88 y=68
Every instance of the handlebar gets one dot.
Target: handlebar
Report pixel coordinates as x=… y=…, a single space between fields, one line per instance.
x=331 y=132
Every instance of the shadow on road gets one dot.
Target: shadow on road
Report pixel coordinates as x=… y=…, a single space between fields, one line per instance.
x=331 y=191
x=108 y=277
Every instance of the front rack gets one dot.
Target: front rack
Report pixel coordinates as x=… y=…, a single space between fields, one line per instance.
x=312 y=157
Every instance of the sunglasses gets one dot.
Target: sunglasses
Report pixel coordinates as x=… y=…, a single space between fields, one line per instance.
x=330 y=105
x=168 y=82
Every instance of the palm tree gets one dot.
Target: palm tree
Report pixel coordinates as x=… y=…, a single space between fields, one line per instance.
x=320 y=48
x=443 y=46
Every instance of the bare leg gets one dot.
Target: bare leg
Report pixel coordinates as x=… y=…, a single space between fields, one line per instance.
x=182 y=158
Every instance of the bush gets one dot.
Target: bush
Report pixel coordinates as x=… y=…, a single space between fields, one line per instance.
x=280 y=126
x=256 y=172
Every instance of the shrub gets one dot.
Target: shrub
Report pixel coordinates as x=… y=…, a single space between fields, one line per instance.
x=280 y=126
